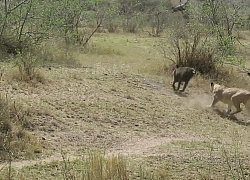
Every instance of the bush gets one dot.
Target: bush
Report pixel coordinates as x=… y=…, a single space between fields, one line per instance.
x=191 y=46
x=131 y=25
x=11 y=46
x=27 y=66
x=56 y=52
x=200 y=59
x=15 y=141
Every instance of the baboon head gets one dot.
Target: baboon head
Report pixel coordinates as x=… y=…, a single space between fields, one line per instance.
x=192 y=70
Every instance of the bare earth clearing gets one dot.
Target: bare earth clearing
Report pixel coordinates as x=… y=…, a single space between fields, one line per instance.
x=122 y=113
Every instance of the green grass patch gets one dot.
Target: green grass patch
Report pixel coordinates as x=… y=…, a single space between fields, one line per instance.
x=91 y=166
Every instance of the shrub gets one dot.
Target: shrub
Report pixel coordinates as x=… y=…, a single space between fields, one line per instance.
x=201 y=59
x=112 y=26
x=57 y=53
x=27 y=69
x=131 y=25
x=11 y=46
x=15 y=141
x=193 y=47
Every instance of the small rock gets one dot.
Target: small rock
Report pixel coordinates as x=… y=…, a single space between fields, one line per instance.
x=37 y=151
x=100 y=136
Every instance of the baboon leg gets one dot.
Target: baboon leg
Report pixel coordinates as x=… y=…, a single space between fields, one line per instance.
x=184 y=87
x=174 y=85
x=179 y=85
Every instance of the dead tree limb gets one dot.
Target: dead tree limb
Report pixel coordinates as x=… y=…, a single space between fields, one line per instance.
x=97 y=27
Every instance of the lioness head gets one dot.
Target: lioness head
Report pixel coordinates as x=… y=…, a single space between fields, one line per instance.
x=215 y=87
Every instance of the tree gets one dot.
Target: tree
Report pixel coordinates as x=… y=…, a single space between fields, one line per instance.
x=14 y=16
x=223 y=16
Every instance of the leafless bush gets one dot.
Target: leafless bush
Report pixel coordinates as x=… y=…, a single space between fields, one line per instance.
x=202 y=59
x=191 y=47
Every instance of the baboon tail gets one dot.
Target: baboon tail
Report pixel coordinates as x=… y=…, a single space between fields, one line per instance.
x=211 y=87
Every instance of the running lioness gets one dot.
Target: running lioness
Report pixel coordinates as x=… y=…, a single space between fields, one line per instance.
x=231 y=97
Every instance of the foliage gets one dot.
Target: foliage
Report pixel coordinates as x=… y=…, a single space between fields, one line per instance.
x=223 y=17
x=57 y=54
x=27 y=66
x=207 y=41
x=190 y=47
x=201 y=59
x=22 y=25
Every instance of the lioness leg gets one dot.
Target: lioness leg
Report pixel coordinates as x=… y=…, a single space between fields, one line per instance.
x=229 y=108
x=236 y=102
x=247 y=106
x=215 y=100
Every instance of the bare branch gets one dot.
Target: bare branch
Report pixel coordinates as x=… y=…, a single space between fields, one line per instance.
x=21 y=3
x=97 y=27
x=244 y=70
x=150 y=34
x=24 y=21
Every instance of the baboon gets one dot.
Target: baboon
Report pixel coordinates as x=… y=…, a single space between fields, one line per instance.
x=182 y=74
x=181 y=7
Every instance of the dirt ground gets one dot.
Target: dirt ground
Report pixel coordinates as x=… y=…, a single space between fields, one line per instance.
x=119 y=112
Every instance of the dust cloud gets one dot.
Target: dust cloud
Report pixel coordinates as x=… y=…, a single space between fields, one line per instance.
x=200 y=101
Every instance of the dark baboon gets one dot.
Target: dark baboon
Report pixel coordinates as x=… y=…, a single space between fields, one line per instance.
x=181 y=7
x=182 y=74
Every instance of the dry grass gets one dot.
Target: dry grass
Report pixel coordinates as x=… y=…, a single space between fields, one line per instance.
x=15 y=140
x=57 y=53
x=124 y=104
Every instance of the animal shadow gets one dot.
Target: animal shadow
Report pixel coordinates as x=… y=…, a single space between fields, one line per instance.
x=181 y=94
x=231 y=118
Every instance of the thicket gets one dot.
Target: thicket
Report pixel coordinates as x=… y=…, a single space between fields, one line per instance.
x=25 y=25
x=207 y=39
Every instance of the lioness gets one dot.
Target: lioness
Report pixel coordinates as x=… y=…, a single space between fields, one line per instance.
x=230 y=96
